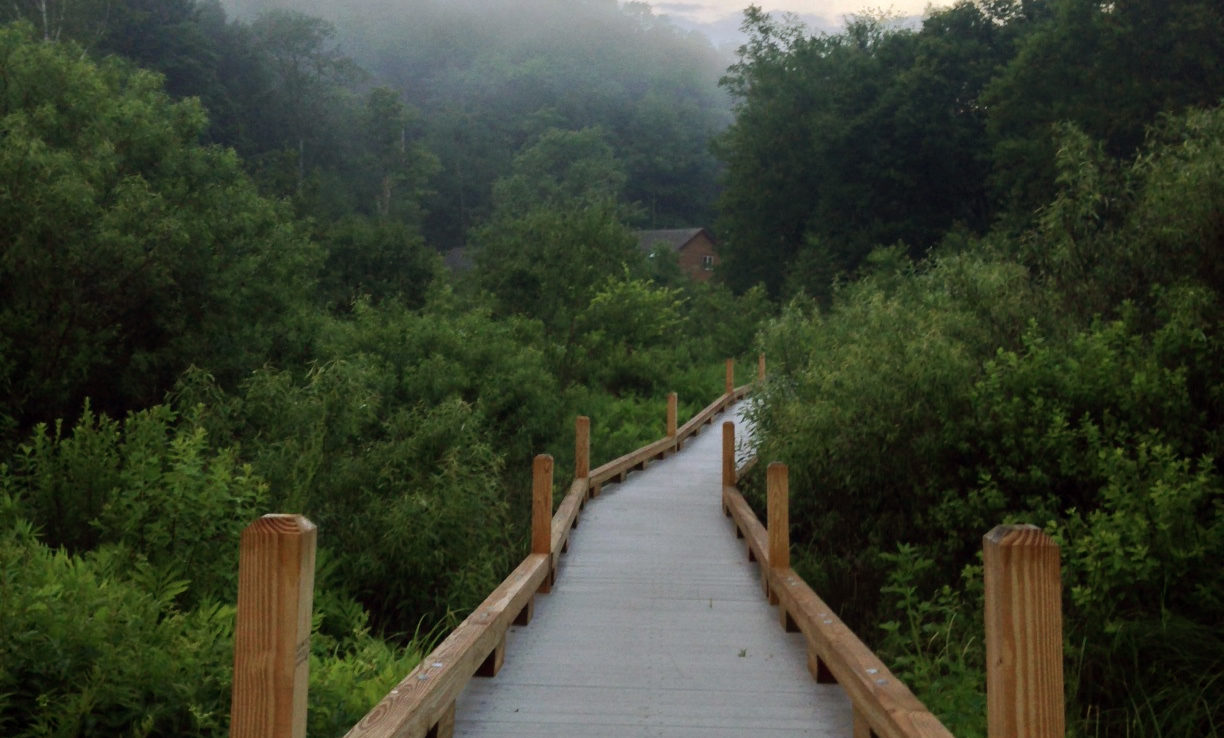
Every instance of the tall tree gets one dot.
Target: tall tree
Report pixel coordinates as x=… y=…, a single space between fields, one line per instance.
x=1109 y=68
x=309 y=75
x=130 y=251
x=845 y=142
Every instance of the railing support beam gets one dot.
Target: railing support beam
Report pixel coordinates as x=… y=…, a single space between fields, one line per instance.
x=730 y=376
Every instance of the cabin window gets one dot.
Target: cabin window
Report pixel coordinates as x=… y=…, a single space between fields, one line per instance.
x=707 y=263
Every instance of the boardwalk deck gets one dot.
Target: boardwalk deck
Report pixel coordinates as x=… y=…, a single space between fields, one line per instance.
x=657 y=627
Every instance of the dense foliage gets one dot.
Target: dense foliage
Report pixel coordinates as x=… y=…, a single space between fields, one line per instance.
x=221 y=294
x=897 y=136
x=1069 y=378
x=192 y=335
x=1000 y=237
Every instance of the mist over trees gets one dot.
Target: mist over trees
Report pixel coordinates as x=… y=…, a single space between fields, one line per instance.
x=981 y=254
x=221 y=295
x=488 y=78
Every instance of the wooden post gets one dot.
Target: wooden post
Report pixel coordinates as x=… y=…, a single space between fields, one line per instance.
x=728 y=454
x=272 y=632
x=761 y=367
x=777 y=528
x=542 y=510
x=861 y=728
x=777 y=488
x=730 y=376
x=672 y=401
x=1024 y=668
x=582 y=447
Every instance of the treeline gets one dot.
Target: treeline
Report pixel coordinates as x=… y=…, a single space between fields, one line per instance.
x=1007 y=226
x=414 y=108
x=210 y=310
x=897 y=137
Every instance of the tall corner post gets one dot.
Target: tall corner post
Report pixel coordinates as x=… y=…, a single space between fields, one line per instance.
x=542 y=511
x=1023 y=618
x=272 y=633
x=730 y=384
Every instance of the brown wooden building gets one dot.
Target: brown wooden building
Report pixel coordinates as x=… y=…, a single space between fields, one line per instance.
x=694 y=249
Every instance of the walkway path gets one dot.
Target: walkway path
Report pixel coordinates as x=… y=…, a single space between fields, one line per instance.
x=657 y=627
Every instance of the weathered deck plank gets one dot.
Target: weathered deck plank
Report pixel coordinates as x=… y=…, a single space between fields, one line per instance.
x=656 y=627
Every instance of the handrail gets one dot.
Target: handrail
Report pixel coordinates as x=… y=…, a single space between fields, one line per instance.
x=1023 y=623
x=835 y=653
x=423 y=703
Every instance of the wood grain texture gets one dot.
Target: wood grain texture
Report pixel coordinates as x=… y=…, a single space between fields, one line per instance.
x=777 y=491
x=756 y=538
x=1024 y=659
x=421 y=700
x=619 y=468
x=272 y=632
x=541 y=504
x=704 y=417
x=730 y=383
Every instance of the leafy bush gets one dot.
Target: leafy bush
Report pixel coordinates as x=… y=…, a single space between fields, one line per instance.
x=131 y=251
x=869 y=405
x=150 y=483
x=937 y=649
x=904 y=427
x=93 y=645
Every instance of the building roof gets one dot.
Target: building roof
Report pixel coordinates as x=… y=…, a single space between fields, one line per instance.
x=676 y=238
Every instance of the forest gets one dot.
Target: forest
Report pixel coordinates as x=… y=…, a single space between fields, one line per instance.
x=980 y=254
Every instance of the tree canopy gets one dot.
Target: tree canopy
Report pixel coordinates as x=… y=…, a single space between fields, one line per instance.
x=131 y=250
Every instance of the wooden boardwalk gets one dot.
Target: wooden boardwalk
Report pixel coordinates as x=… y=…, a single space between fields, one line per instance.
x=657 y=627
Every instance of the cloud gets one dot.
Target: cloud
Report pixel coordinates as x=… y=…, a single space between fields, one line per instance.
x=830 y=12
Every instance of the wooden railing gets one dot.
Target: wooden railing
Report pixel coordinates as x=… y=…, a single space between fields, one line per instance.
x=276 y=575
x=1023 y=623
x=1023 y=612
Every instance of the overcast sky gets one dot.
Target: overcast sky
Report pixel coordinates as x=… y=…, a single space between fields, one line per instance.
x=719 y=20
x=708 y=11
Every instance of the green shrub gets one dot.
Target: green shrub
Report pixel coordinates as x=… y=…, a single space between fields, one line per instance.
x=93 y=645
x=131 y=250
x=937 y=648
x=151 y=483
x=911 y=416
